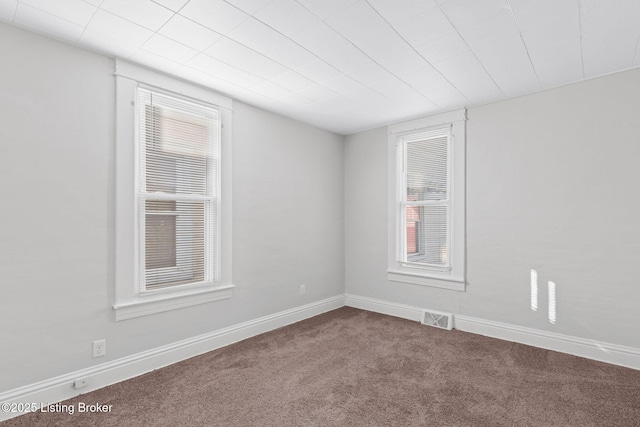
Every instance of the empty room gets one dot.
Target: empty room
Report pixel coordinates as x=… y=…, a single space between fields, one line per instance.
x=320 y=212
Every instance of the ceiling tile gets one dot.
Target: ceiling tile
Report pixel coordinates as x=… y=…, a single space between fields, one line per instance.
x=316 y=93
x=495 y=39
x=443 y=48
x=536 y=14
x=295 y=100
x=290 y=54
x=214 y=14
x=109 y=45
x=174 y=5
x=556 y=53
x=318 y=71
x=425 y=27
x=219 y=69
x=398 y=61
x=249 y=6
x=400 y=10
x=344 y=85
x=326 y=8
x=463 y=13
x=167 y=48
x=360 y=22
x=257 y=35
x=418 y=75
x=326 y=107
x=154 y=61
x=189 y=33
x=467 y=75
x=384 y=48
x=118 y=28
x=143 y=12
x=271 y=90
x=610 y=33
x=287 y=17
x=348 y=59
x=293 y=81
x=370 y=75
x=441 y=93
x=42 y=21
x=551 y=31
x=399 y=91
x=235 y=54
x=207 y=80
x=76 y=11
x=320 y=39
x=8 y=9
x=366 y=97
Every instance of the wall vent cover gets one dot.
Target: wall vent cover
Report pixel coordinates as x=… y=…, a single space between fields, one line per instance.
x=437 y=319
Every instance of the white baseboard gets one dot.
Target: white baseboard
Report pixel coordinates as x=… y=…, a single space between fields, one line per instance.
x=590 y=349
x=61 y=388
x=383 y=307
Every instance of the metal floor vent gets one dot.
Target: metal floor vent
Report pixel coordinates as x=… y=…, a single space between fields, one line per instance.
x=437 y=319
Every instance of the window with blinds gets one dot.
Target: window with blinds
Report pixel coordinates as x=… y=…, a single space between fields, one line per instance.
x=425 y=205
x=177 y=189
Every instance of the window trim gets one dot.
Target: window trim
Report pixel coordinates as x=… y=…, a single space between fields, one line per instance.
x=453 y=278
x=130 y=302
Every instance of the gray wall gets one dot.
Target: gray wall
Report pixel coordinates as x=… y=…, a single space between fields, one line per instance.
x=553 y=184
x=57 y=219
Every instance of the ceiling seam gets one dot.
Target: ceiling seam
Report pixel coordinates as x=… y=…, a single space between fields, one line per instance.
x=472 y=52
x=277 y=62
x=635 y=54
x=581 y=45
x=90 y=19
x=418 y=53
x=15 y=10
x=524 y=44
x=310 y=52
x=373 y=60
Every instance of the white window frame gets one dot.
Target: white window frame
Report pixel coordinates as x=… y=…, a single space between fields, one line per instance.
x=454 y=275
x=130 y=299
x=182 y=270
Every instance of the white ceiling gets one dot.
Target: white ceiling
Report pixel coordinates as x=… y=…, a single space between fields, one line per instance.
x=350 y=65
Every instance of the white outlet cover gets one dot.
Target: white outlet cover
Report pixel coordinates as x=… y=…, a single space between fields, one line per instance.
x=99 y=348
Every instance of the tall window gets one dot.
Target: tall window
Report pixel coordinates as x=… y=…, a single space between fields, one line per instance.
x=173 y=194
x=426 y=201
x=425 y=204
x=178 y=152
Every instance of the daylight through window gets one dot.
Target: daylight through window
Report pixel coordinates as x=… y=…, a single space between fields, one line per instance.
x=178 y=145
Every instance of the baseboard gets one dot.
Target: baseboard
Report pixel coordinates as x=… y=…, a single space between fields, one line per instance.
x=61 y=388
x=604 y=352
x=383 y=307
x=597 y=350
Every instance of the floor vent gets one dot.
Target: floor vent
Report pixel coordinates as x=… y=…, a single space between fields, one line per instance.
x=437 y=319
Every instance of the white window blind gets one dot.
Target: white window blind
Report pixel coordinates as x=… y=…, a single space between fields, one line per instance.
x=425 y=207
x=177 y=189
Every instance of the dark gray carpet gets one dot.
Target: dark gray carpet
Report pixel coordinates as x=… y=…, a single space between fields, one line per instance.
x=355 y=368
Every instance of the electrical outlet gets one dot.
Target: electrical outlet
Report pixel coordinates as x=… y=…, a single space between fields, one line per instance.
x=99 y=348
x=80 y=382
x=303 y=289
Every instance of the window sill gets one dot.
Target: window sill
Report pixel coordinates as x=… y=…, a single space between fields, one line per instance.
x=426 y=279
x=164 y=302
